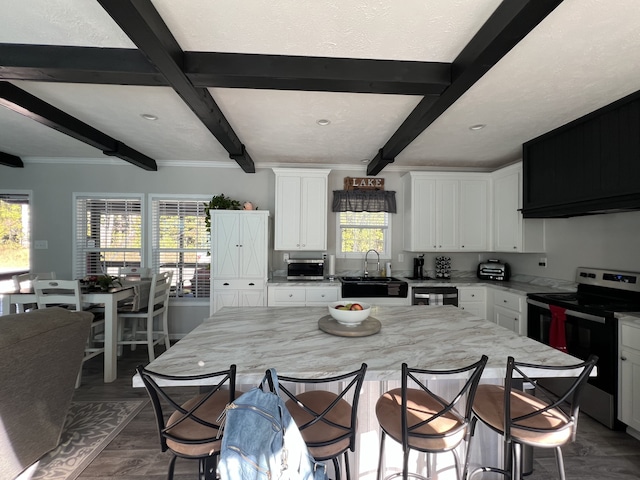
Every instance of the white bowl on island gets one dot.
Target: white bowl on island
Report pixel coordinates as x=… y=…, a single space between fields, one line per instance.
x=350 y=314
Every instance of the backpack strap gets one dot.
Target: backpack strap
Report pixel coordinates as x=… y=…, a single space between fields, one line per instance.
x=271 y=378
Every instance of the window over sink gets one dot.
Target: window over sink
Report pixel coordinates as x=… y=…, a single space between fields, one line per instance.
x=359 y=232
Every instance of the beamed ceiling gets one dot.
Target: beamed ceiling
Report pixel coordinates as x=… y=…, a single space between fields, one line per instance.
x=244 y=83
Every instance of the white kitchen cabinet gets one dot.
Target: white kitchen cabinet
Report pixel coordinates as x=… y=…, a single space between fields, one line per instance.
x=302 y=295
x=629 y=374
x=510 y=311
x=512 y=232
x=301 y=209
x=473 y=300
x=445 y=212
x=474 y=218
x=239 y=254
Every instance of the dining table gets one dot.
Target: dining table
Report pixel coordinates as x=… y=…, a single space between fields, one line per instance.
x=136 y=291
x=291 y=340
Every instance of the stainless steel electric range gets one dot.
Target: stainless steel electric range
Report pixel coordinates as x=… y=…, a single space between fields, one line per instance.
x=591 y=327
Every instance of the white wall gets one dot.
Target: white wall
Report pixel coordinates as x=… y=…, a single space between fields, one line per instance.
x=610 y=241
x=600 y=241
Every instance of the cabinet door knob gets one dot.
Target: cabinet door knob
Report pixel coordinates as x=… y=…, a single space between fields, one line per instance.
x=473 y=295
x=515 y=248
x=515 y=318
x=623 y=358
x=462 y=246
x=290 y=295
x=504 y=301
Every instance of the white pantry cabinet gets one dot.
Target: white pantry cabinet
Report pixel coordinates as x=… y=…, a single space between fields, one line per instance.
x=512 y=232
x=446 y=212
x=239 y=258
x=301 y=209
x=629 y=374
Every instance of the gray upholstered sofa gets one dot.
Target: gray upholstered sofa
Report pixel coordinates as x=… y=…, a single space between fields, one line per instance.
x=40 y=356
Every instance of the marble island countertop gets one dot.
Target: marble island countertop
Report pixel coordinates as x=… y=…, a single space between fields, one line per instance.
x=288 y=338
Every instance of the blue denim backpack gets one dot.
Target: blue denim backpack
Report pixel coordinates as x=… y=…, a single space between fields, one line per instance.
x=262 y=442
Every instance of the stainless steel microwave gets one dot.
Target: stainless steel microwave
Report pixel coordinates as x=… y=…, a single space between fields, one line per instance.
x=305 y=269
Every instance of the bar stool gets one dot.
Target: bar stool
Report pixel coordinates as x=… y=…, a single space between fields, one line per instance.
x=327 y=420
x=191 y=429
x=422 y=420
x=546 y=420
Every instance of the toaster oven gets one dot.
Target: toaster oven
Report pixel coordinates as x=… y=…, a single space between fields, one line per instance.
x=305 y=269
x=494 y=270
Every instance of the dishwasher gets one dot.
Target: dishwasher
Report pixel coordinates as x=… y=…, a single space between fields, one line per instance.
x=434 y=296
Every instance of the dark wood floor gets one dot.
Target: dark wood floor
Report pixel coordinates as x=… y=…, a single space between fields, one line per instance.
x=598 y=453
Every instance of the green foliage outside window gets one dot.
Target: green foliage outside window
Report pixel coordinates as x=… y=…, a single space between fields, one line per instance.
x=363 y=231
x=14 y=236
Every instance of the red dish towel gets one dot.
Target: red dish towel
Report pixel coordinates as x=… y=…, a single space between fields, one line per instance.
x=557 y=337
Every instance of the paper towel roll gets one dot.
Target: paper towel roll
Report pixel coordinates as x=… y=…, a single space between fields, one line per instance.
x=332 y=265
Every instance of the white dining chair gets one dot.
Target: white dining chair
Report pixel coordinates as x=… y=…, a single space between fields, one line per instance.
x=142 y=329
x=68 y=294
x=134 y=272
x=24 y=282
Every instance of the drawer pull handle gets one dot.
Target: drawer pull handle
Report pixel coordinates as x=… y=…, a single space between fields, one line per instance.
x=251 y=284
x=226 y=284
x=623 y=358
x=504 y=301
x=290 y=295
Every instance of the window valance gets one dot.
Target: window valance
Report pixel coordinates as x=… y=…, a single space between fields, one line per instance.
x=364 y=201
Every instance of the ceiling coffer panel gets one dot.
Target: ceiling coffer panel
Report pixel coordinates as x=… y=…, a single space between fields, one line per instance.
x=399 y=82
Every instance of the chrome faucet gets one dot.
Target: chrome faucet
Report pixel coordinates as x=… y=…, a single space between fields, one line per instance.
x=366 y=255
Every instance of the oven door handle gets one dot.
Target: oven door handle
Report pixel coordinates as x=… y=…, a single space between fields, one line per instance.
x=584 y=316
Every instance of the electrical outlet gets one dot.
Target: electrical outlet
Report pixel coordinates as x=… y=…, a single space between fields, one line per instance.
x=40 y=244
x=542 y=262
x=324 y=256
x=285 y=256
x=401 y=257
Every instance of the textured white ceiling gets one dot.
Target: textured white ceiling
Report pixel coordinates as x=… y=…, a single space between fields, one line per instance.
x=583 y=56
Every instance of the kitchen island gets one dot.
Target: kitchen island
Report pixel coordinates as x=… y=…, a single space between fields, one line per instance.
x=288 y=339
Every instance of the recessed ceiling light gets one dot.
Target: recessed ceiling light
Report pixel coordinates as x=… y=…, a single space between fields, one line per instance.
x=479 y=126
x=148 y=116
x=323 y=122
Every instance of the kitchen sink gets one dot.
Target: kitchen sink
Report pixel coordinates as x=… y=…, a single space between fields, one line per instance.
x=362 y=286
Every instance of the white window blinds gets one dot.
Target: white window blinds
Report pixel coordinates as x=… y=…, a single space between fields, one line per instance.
x=181 y=244
x=108 y=234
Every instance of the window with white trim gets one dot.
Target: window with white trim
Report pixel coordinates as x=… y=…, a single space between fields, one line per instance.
x=359 y=232
x=15 y=231
x=108 y=233
x=180 y=243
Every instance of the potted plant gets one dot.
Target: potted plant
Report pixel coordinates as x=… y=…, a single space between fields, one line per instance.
x=105 y=282
x=220 y=202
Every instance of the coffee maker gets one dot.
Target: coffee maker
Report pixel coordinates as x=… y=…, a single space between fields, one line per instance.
x=418 y=267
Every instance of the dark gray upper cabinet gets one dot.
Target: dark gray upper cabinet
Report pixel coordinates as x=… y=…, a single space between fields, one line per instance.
x=591 y=165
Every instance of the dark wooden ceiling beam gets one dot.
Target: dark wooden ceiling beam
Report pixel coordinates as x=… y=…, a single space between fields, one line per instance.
x=507 y=26
x=10 y=160
x=32 y=107
x=121 y=66
x=143 y=24
x=282 y=72
x=70 y=64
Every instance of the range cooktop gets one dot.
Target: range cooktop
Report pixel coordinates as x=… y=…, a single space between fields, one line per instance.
x=599 y=291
